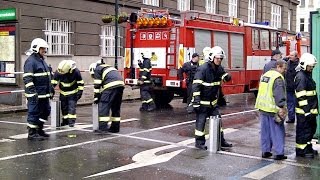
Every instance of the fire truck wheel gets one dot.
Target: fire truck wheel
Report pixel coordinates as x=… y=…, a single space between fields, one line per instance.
x=162 y=98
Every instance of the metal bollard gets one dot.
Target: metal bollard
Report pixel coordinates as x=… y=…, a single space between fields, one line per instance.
x=55 y=114
x=214 y=134
x=95 y=117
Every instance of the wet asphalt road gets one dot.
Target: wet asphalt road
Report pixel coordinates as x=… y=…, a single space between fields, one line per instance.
x=157 y=145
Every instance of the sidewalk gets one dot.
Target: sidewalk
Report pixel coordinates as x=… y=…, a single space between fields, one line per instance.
x=87 y=98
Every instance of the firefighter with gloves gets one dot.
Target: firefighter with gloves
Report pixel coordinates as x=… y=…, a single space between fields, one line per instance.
x=306 y=106
x=108 y=91
x=205 y=88
x=71 y=87
x=189 y=68
x=38 y=89
x=145 y=82
x=271 y=102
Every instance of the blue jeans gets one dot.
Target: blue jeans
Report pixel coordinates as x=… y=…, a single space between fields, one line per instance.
x=272 y=134
x=291 y=102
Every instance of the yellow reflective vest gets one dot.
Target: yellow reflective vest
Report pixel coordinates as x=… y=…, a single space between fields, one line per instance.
x=265 y=99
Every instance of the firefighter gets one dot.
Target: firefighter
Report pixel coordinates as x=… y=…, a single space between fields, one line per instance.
x=71 y=87
x=306 y=106
x=38 y=89
x=292 y=61
x=108 y=91
x=271 y=102
x=205 y=88
x=145 y=82
x=189 y=68
x=276 y=55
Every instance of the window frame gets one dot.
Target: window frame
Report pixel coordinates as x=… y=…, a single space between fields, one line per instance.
x=302 y=5
x=107 y=46
x=276 y=15
x=212 y=7
x=302 y=23
x=255 y=35
x=58 y=35
x=251 y=11
x=151 y=2
x=183 y=5
x=233 y=5
x=289 y=20
x=262 y=38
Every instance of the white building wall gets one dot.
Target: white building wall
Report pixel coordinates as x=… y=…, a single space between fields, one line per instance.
x=304 y=12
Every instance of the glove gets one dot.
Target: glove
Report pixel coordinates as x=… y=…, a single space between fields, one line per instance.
x=227 y=78
x=52 y=92
x=96 y=99
x=79 y=95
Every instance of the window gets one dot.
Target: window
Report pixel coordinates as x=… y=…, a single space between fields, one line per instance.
x=183 y=5
x=252 y=11
x=264 y=40
x=289 y=20
x=233 y=8
x=310 y=3
x=302 y=3
x=301 y=24
x=58 y=35
x=151 y=2
x=211 y=6
x=274 y=39
x=108 y=41
x=255 y=39
x=275 y=16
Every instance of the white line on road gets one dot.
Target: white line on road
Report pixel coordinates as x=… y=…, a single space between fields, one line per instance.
x=265 y=171
x=6 y=140
x=103 y=139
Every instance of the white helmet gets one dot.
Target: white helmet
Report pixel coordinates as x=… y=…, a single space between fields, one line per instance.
x=146 y=54
x=92 y=67
x=206 y=51
x=307 y=59
x=37 y=43
x=218 y=51
x=66 y=66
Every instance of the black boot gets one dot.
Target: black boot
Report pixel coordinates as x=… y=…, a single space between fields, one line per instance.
x=33 y=135
x=224 y=143
x=200 y=142
x=64 y=122
x=305 y=153
x=42 y=133
x=151 y=107
x=115 y=127
x=71 y=122
x=103 y=128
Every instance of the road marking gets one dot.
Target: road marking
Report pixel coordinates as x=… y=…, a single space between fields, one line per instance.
x=6 y=140
x=265 y=171
x=99 y=140
x=79 y=126
x=147 y=158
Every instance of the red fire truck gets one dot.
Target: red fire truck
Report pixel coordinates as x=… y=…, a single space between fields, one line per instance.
x=172 y=41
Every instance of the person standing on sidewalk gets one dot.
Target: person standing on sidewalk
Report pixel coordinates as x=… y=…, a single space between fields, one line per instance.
x=271 y=102
x=292 y=61
x=276 y=55
x=38 y=89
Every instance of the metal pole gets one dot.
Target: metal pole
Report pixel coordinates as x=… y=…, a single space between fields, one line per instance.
x=55 y=114
x=95 y=117
x=116 y=35
x=132 y=73
x=214 y=134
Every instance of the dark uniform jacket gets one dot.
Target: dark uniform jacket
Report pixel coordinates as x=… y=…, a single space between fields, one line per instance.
x=291 y=74
x=37 y=77
x=145 y=70
x=69 y=83
x=271 y=64
x=305 y=87
x=106 y=77
x=206 y=84
x=190 y=68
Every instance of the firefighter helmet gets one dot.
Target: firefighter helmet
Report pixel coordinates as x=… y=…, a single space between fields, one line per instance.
x=66 y=66
x=218 y=51
x=307 y=59
x=146 y=54
x=92 y=67
x=37 y=43
x=206 y=51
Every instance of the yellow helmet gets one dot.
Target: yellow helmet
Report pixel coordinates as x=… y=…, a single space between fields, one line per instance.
x=66 y=66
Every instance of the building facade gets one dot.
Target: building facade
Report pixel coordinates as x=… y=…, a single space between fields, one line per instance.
x=303 y=15
x=74 y=30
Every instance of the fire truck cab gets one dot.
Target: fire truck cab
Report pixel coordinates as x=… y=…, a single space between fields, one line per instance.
x=172 y=42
